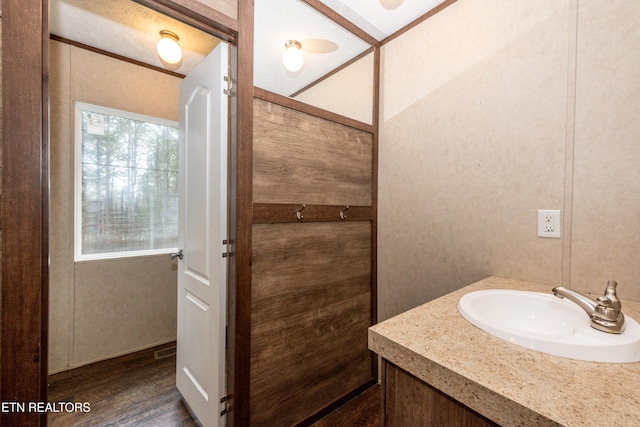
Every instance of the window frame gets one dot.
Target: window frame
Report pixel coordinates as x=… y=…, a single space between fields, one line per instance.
x=77 y=180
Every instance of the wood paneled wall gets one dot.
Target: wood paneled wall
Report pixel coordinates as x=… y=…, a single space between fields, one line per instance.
x=310 y=310
x=299 y=158
x=312 y=286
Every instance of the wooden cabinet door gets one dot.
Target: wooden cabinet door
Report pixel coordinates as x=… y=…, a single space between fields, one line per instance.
x=410 y=402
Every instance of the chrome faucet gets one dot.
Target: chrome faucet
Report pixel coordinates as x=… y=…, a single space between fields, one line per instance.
x=604 y=311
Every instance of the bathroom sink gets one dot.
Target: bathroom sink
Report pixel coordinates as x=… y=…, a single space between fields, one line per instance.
x=548 y=324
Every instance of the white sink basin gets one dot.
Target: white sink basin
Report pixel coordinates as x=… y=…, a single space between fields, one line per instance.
x=548 y=324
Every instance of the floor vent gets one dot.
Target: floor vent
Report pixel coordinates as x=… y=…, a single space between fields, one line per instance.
x=165 y=352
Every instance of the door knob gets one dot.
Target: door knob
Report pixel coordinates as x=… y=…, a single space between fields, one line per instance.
x=175 y=255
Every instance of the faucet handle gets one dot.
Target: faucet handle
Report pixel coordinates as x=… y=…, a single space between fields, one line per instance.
x=610 y=298
x=604 y=301
x=608 y=315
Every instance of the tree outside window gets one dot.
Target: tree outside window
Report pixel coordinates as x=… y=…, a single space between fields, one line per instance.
x=127 y=183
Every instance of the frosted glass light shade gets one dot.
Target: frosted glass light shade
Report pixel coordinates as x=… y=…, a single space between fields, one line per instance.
x=292 y=58
x=391 y=4
x=168 y=48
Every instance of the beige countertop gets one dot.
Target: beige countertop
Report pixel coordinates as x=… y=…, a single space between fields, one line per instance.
x=506 y=383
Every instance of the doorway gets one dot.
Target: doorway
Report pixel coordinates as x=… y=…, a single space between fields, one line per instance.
x=25 y=198
x=108 y=307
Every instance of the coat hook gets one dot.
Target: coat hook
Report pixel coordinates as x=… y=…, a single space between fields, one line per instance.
x=342 y=215
x=299 y=211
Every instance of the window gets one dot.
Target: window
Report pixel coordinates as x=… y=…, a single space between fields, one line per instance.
x=126 y=184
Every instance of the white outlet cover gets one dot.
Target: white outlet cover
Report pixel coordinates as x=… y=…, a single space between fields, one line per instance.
x=549 y=223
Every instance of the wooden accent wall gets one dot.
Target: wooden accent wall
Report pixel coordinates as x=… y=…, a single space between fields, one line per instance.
x=299 y=158
x=311 y=307
x=312 y=279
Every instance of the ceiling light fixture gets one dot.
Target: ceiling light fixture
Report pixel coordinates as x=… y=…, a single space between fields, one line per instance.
x=391 y=4
x=168 y=48
x=292 y=58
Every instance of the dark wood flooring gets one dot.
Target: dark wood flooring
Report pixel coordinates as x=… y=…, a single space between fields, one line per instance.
x=138 y=390
x=364 y=410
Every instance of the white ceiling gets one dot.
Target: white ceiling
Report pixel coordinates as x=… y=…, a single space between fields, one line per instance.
x=126 y=28
x=325 y=45
x=277 y=21
x=379 y=21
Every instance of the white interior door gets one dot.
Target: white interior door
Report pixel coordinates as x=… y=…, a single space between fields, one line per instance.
x=202 y=272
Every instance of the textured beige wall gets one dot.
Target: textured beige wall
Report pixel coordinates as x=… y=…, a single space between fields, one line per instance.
x=62 y=267
x=348 y=92
x=478 y=111
x=100 y=309
x=606 y=190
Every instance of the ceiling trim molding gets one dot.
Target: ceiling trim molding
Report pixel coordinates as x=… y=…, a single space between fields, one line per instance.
x=114 y=55
x=418 y=21
x=197 y=15
x=342 y=21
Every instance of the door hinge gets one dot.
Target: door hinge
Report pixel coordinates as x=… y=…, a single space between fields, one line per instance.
x=229 y=81
x=225 y=402
x=225 y=254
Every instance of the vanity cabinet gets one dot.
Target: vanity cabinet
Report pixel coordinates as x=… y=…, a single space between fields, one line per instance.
x=434 y=348
x=410 y=402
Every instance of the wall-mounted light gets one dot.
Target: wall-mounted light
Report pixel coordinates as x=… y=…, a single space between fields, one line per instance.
x=168 y=48
x=292 y=57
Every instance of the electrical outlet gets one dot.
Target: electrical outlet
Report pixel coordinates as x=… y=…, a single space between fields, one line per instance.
x=549 y=223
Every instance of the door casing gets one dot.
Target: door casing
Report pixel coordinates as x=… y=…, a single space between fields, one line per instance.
x=25 y=198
